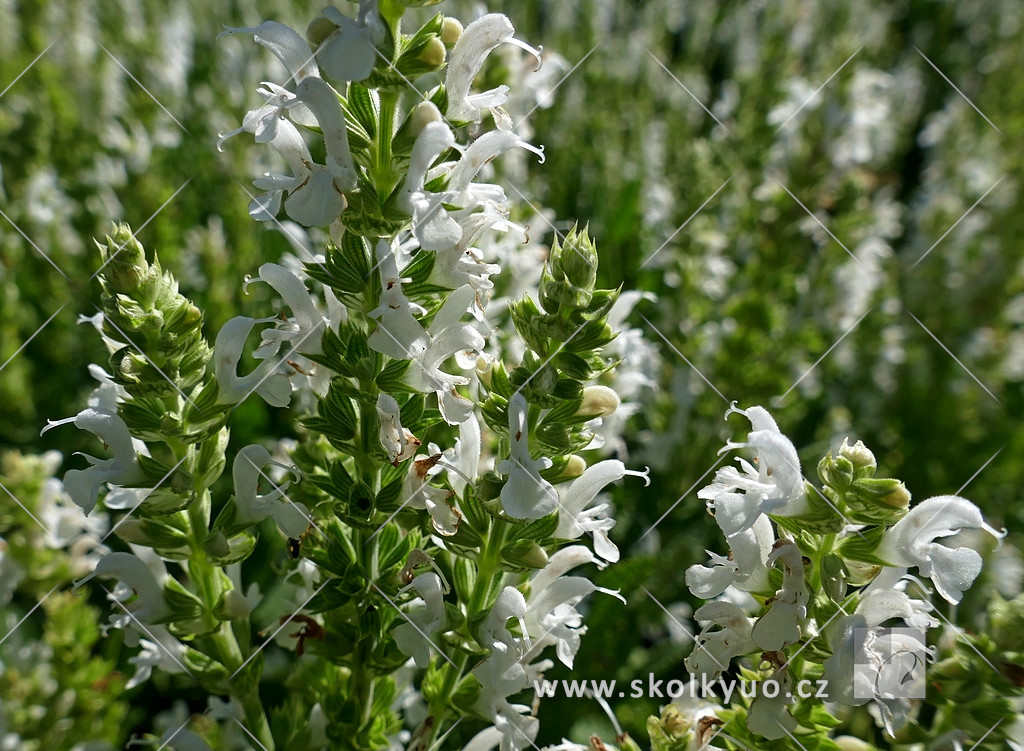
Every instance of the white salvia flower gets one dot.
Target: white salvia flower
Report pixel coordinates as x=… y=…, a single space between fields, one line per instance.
x=349 y=52
x=780 y=626
x=420 y=494
x=315 y=192
x=434 y=226
x=304 y=330
x=745 y=568
x=468 y=55
x=911 y=542
x=775 y=487
x=149 y=605
x=165 y=653
x=447 y=337
x=322 y=101
x=463 y=461
x=576 y=516
x=398 y=334
x=250 y=507
x=399 y=443
x=462 y=264
x=768 y=715
x=526 y=495
x=83 y=485
x=286 y=44
x=551 y=606
x=875 y=649
x=426 y=616
x=273 y=387
x=714 y=650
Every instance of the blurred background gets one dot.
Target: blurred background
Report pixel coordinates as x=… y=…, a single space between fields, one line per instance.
x=820 y=204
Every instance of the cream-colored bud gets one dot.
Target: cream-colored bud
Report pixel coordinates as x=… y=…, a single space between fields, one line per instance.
x=849 y=743
x=433 y=53
x=898 y=498
x=575 y=467
x=421 y=116
x=451 y=30
x=598 y=401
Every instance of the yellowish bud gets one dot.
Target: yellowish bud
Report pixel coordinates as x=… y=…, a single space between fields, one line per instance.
x=598 y=401
x=899 y=498
x=451 y=30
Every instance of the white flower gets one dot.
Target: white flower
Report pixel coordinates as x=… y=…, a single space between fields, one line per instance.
x=250 y=507
x=398 y=442
x=911 y=542
x=286 y=44
x=575 y=516
x=165 y=653
x=398 y=334
x=468 y=55
x=420 y=494
x=273 y=387
x=315 y=192
x=768 y=715
x=447 y=337
x=526 y=495
x=305 y=327
x=714 y=650
x=149 y=605
x=83 y=485
x=435 y=226
x=780 y=626
x=775 y=487
x=745 y=567
x=426 y=616
x=349 y=52
x=551 y=606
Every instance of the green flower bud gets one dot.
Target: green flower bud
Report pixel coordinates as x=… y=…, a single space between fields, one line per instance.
x=877 y=500
x=525 y=553
x=836 y=472
x=578 y=259
x=598 y=401
x=125 y=267
x=1007 y=623
x=860 y=456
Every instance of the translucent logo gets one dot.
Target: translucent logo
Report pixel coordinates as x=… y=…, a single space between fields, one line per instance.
x=889 y=663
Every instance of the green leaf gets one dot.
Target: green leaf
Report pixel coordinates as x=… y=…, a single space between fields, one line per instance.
x=363 y=107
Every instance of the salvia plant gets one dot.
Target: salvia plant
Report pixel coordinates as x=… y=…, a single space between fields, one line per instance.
x=431 y=519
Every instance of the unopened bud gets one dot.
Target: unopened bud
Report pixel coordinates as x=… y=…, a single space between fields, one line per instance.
x=126 y=268
x=578 y=258
x=421 y=116
x=849 y=743
x=598 y=401
x=451 y=30
x=860 y=456
x=575 y=467
x=433 y=53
